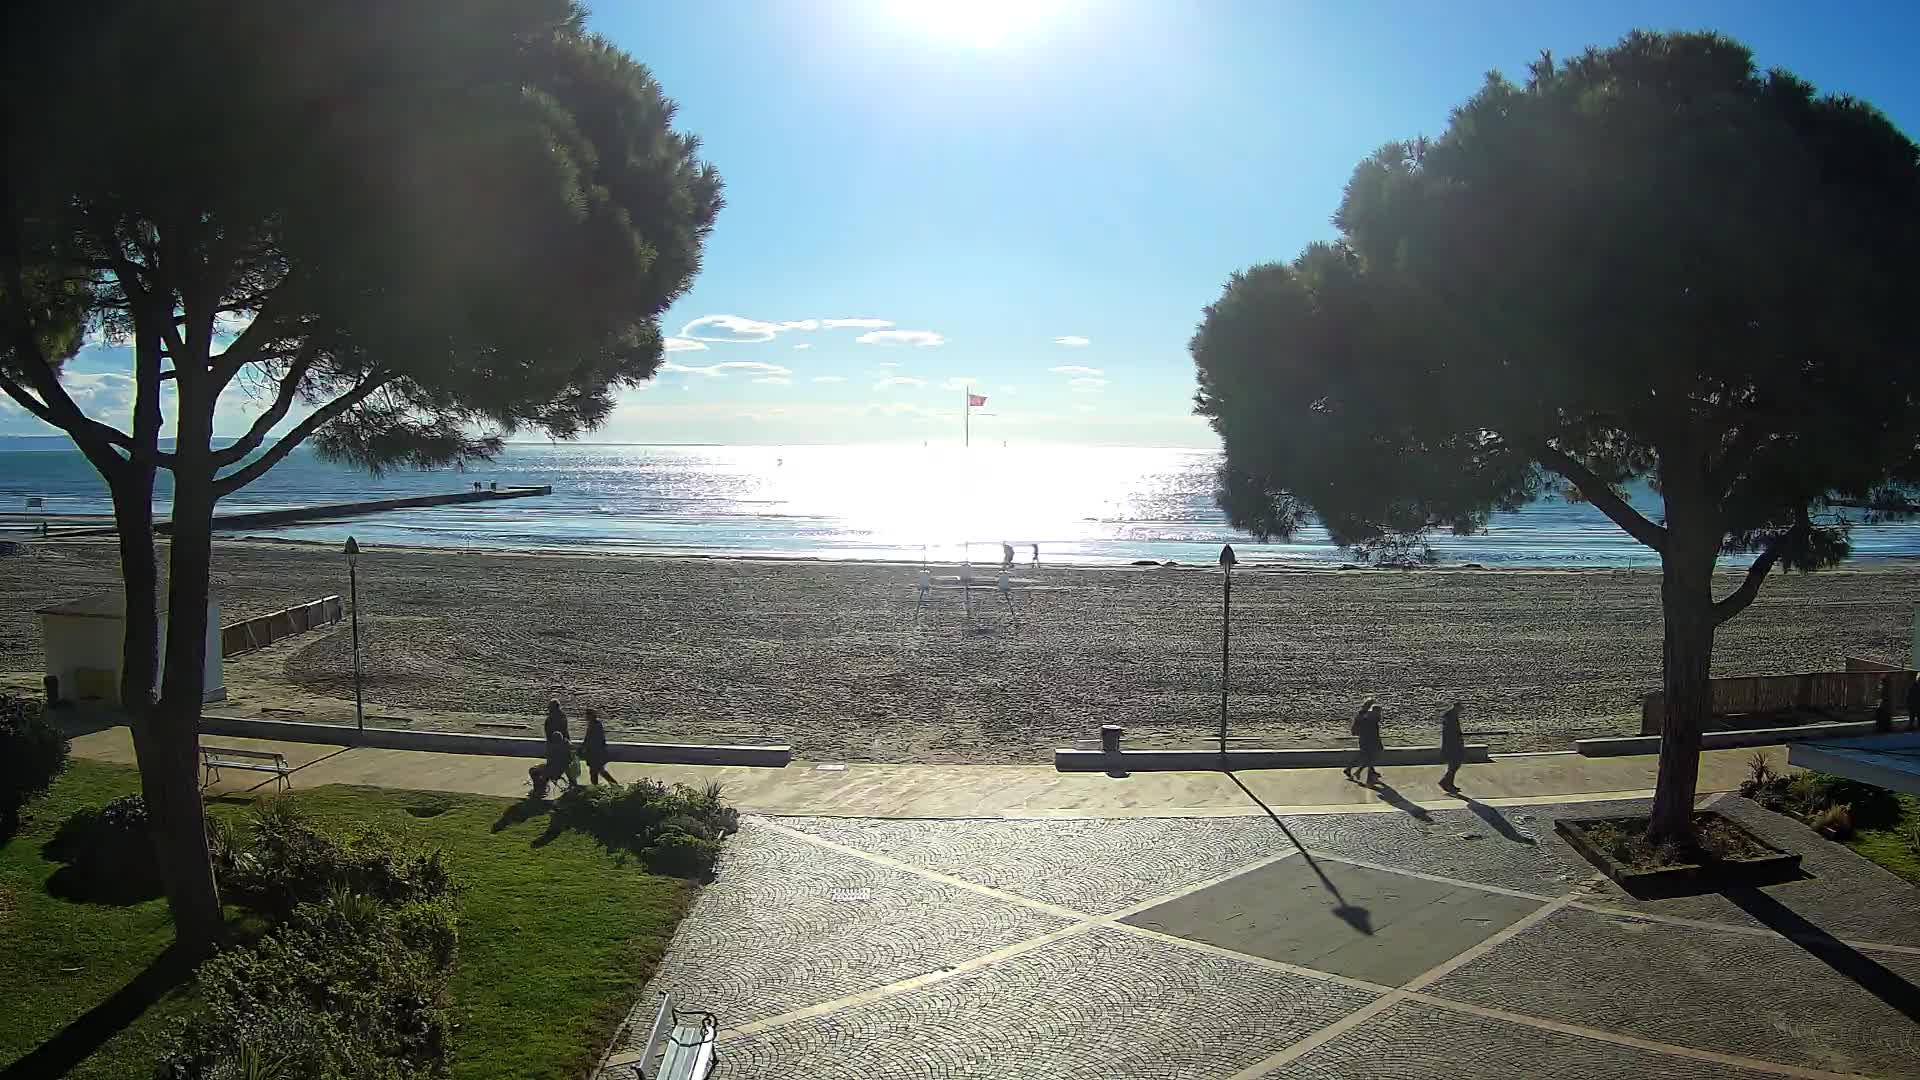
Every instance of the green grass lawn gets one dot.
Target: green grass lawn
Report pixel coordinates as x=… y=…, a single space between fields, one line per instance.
x=556 y=934
x=1888 y=845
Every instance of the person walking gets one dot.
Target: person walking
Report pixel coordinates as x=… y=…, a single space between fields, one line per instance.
x=1006 y=555
x=593 y=749
x=1453 y=745
x=1913 y=705
x=1366 y=730
x=1883 y=713
x=556 y=721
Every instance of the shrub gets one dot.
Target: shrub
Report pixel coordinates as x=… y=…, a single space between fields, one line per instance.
x=1835 y=822
x=107 y=852
x=350 y=984
x=292 y=860
x=673 y=830
x=32 y=754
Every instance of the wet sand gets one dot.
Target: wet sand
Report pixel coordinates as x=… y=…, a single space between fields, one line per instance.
x=837 y=659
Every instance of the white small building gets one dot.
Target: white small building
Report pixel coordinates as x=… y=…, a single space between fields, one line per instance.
x=83 y=641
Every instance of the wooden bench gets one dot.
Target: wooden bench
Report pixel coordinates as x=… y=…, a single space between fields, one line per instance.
x=684 y=1050
x=215 y=758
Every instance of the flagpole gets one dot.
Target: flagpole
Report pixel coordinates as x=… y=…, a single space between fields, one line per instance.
x=966 y=411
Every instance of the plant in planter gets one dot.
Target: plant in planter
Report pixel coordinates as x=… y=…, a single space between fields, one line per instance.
x=1721 y=852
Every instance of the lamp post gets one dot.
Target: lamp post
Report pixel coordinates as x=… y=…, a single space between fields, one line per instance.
x=1226 y=629
x=353 y=591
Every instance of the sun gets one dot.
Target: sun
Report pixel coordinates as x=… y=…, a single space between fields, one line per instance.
x=983 y=24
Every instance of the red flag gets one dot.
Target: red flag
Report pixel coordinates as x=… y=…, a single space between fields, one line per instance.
x=975 y=400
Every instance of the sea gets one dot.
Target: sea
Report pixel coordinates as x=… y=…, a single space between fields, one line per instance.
x=1099 y=505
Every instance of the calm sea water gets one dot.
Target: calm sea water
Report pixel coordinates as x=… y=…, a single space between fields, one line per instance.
x=1086 y=505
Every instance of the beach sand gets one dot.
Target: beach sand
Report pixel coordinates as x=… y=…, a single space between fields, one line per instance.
x=834 y=659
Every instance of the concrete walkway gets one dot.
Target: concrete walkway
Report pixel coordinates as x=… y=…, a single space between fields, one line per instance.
x=859 y=789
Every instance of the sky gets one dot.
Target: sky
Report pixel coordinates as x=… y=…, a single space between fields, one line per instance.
x=1037 y=198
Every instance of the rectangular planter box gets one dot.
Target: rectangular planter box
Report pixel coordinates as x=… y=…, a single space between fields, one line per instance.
x=1672 y=880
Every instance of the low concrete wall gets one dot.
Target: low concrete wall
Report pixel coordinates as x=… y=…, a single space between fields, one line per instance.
x=263 y=630
x=1723 y=740
x=444 y=742
x=1072 y=760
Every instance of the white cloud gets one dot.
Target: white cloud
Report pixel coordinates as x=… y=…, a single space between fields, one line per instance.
x=681 y=344
x=774 y=380
x=717 y=370
x=1009 y=389
x=829 y=378
x=1087 y=386
x=803 y=345
x=734 y=328
x=801 y=324
x=899 y=380
x=1084 y=408
x=960 y=382
x=1075 y=369
x=1073 y=340
x=901 y=408
x=854 y=324
x=887 y=365
x=917 y=338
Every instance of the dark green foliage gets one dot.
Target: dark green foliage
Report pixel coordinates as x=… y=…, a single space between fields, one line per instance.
x=108 y=854
x=1653 y=260
x=673 y=830
x=1809 y=795
x=32 y=754
x=351 y=981
x=290 y=860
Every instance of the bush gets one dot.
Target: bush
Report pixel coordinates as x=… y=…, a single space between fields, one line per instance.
x=107 y=852
x=291 y=860
x=32 y=754
x=350 y=984
x=1835 y=822
x=1810 y=796
x=673 y=830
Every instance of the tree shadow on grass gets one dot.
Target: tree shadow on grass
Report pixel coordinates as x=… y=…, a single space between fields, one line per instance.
x=98 y=865
x=521 y=812
x=91 y=1030
x=1352 y=914
x=1865 y=972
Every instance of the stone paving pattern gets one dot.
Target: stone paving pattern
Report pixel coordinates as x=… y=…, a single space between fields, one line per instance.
x=1093 y=999
x=1096 y=866
x=768 y=936
x=1414 y=1041
x=1737 y=994
x=1096 y=1005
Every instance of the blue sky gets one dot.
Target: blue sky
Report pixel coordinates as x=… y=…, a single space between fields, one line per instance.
x=1026 y=193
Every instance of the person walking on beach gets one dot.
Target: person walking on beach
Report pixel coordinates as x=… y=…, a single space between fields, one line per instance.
x=556 y=721
x=1036 y=554
x=1366 y=729
x=1453 y=745
x=593 y=749
x=1006 y=555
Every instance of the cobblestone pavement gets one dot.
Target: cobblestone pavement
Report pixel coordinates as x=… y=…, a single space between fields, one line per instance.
x=1188 y=948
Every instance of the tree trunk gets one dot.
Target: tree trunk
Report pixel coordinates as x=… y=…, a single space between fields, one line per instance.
x=172 y=788
x=1686 y=603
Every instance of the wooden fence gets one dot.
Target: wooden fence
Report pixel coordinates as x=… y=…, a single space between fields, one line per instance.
x=266 y=629
x=1854 y=692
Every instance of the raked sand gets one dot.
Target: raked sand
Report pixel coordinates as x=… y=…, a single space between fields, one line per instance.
x=835 y=659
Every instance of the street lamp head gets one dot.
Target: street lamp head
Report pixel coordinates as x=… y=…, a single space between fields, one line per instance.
x=1226 y=557
x=353 y=549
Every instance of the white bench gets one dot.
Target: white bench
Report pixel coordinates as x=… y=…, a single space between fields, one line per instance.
x=215 y=758
x=684 y=1051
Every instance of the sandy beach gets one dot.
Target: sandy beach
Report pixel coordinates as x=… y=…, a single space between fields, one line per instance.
x=835 y=659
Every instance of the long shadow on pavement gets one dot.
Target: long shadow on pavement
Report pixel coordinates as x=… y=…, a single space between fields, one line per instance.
x=1400 y=802
x=1865 y=972
x=1496 y=819
x=1353 y=915
x=91 y=1030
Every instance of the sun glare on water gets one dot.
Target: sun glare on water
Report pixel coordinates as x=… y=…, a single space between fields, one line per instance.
x=981 y=23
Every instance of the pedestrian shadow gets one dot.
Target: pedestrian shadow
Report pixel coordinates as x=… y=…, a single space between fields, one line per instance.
x=1864 y=971
x=1352 y=914
x=1400 y=802
x=1496 y=819
x=91 y=1030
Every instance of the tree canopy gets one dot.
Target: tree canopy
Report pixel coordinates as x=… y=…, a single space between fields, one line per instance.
x=399 y=231
x=1653 y=261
